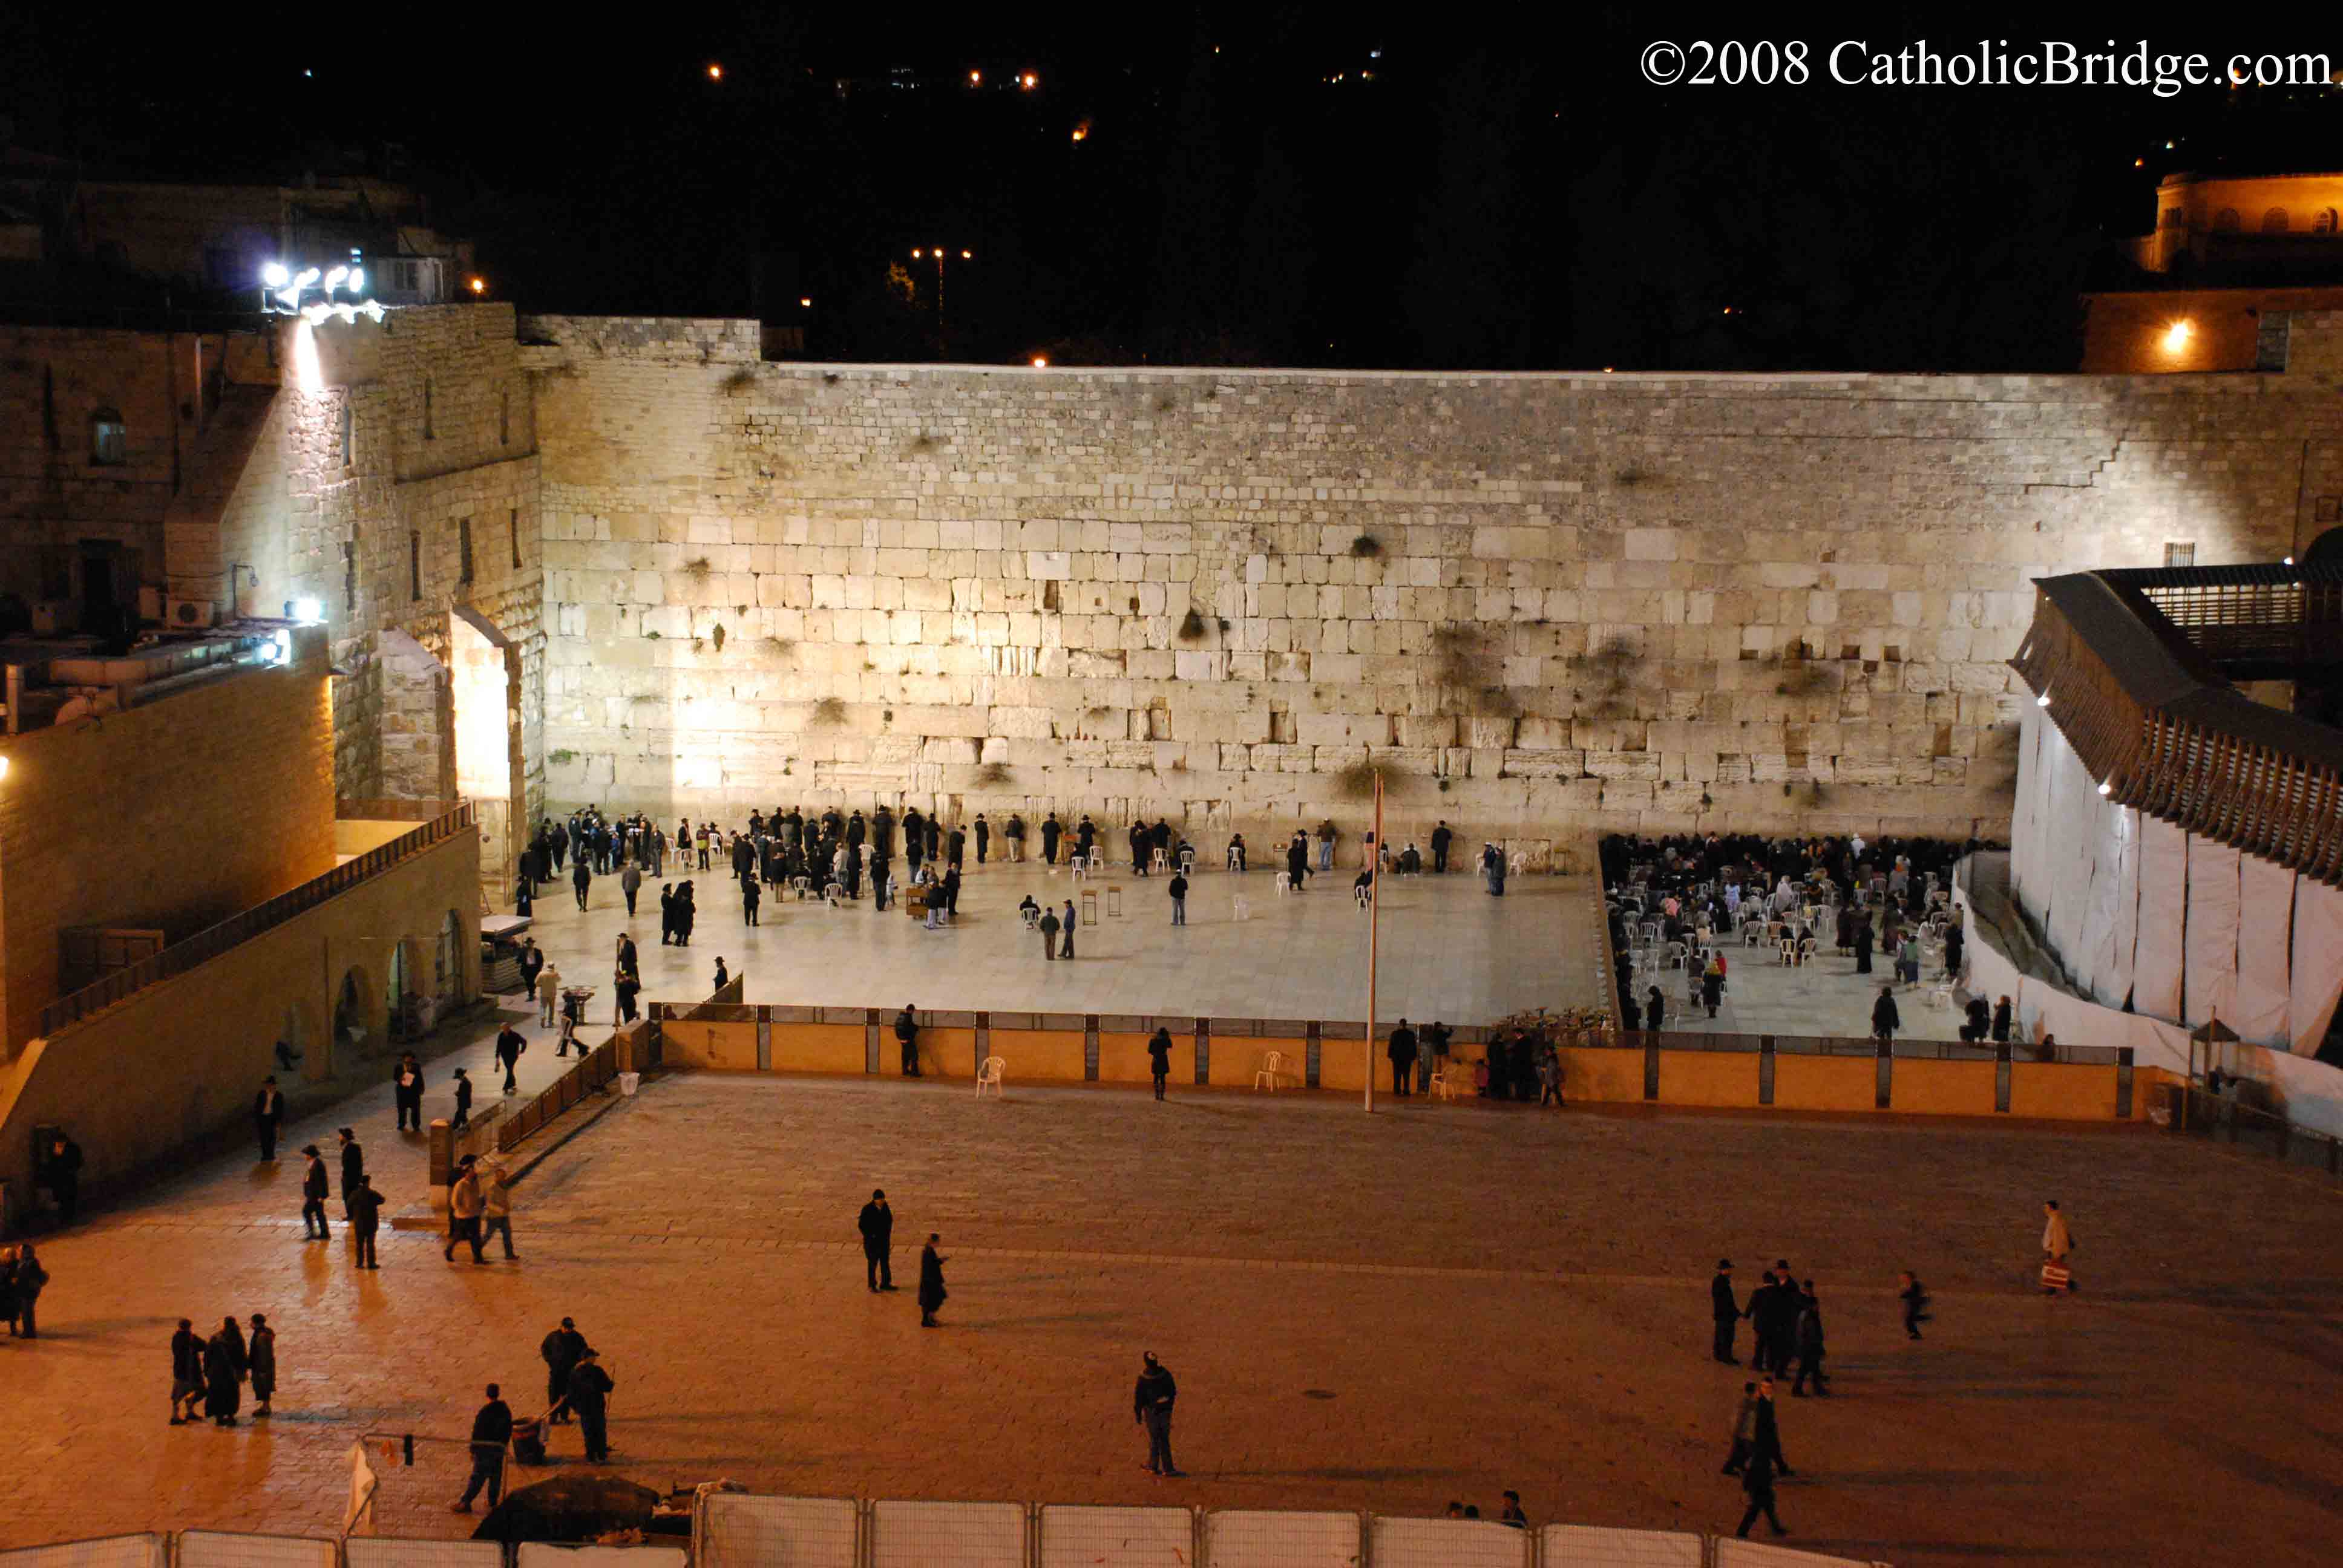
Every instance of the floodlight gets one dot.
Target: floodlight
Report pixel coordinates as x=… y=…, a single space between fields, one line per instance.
x=274 y=275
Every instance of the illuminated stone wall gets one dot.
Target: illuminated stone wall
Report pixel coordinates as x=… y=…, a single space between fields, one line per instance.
x=1635 y=600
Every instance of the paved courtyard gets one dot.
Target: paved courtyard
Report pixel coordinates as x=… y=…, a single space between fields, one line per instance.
x=1448 y=949
x=1823 y=996
x=1438 y=1303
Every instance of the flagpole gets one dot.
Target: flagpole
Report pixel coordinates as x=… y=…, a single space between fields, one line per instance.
x=1374 y=899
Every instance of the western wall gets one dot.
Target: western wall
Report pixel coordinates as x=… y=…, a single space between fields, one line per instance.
x=1536 y=602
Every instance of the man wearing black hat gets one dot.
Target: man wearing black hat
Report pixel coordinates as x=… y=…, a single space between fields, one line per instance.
x=353 y=1168
x=268 y=1110
x=589 y=1393
x=878 y=1227
x=561 y=1350
x=1150 y=1406
x=1724 y=1310
x=313 y=1194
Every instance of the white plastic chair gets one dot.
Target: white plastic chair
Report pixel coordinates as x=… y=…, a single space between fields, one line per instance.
x=1940 y=996
x=990 y=1074
x=1519 y=863
x=1274 y=1067
x=1361 y=893
x=1032 y=920
x=1284 y=883
x=1241 y=908
x=834 y=892
x=1439 y=1085
x=1159 y=862
x=1232 y=858
x=1098 y=862
x=1080 y=869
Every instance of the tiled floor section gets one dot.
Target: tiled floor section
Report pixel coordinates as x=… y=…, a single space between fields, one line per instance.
x=1822 y=997
x=1448 y=948
x=1492 y=1296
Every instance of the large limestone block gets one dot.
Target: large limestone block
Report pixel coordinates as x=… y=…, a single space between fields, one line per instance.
x=1544 y=764
x=1343 y=729
x=1433 y=729
x=1483 y=732
x=1622 y=766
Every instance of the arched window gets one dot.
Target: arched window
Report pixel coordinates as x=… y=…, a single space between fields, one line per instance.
x=2173 y=218
x=2274 y=221
x=2225 y=221
x=110 y=439
x=2323 y=221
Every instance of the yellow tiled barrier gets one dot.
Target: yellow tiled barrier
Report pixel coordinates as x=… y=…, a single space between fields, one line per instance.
x=1344 y=1064
x=2057 y=1091
x=1823 y=1082
x=819 y=1048
x=1043 y=1055
x=1237 y=1057
x=1123 y=1058
x=1708 y=1078
x=1925 y=1088
x=726 y=1046
x=1594 y=1075
x=943 y=1052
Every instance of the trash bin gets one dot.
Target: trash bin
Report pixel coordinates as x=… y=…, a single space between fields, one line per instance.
x=628 y=1082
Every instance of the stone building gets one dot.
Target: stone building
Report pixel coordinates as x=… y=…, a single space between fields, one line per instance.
x=378 y=478
x=629 y=561
x=1537 y=602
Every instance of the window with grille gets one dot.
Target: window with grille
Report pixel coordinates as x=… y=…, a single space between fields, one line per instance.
x=414 y=566
x=514 y=523
x=2181 y=554
x=463 y=550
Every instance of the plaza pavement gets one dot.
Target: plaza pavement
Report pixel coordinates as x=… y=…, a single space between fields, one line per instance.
x=1438 y=1303
x=1448 y=948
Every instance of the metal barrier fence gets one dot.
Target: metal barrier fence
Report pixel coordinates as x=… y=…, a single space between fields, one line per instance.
x=209 y=944
x=741 y=1530
x=593 y=1072
x=2194 y=1110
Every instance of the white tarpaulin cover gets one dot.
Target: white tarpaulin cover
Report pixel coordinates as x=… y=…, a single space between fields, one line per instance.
x=2265 y=949
x=2317 y=963
x=2164 y=895
x=2209 y=946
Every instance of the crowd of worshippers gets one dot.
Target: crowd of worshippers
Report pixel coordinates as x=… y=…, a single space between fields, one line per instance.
x=1685 y=887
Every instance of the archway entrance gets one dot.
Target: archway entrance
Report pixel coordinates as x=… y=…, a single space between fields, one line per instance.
x=353 y=1011
x=484 y=671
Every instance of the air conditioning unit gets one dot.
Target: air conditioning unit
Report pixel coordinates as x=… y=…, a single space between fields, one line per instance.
x=191 y=614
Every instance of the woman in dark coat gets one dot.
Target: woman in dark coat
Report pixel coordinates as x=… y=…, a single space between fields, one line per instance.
x=1884 y=1019
x=1845 y=927
x=931 y=1281
x=1863 y=947
x=223 y=1376
x=684 y=913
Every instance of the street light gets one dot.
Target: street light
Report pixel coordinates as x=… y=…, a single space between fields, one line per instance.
x=479 y=285
x=935 y=253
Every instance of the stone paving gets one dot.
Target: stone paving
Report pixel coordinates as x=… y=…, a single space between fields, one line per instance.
x=1448 y=949
x=1440 y=1302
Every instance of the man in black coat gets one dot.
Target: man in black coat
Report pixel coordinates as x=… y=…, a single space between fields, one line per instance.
x=1809 y=1339
x=313 y=1195
x=186 y=1372
x=589 y=1393
x=364 y=1207
x=491 y=1430
x=581 y=878
x=1440 y=838
x=1724 y=1311
x=1401 y=1051
x=931 y=1281
x=61 y=1170
x=876 y=1224
x=1050 y=831
x=560 y=1351
x=1764 y=1463
x=1150 y=1406
x=907 y=1036
x=268 y=1110
x=407 y=1091
x=510 y=1045
x=353 y=1168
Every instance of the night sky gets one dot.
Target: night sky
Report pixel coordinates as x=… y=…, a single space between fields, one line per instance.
x=1434 y=187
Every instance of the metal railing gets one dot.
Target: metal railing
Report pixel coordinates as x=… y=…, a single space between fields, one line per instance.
x=211 y=942
x=594 y=1071
x=2162 y=731
x=2196 y=1112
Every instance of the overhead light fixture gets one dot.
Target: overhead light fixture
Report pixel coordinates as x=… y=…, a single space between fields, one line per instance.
x=2043 y=700
x=274 y=275
x=1040 y=362
x=307 y=611
x=2107 y=789
x=334 y=279
x=356 y=284
x=805 y=302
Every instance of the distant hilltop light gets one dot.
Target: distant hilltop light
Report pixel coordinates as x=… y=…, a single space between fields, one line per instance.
x=715 y=71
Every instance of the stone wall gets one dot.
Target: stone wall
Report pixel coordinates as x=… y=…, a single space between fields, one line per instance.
x=242 y=766
x=390 y=448
x=53 y=382
x=1632 y=601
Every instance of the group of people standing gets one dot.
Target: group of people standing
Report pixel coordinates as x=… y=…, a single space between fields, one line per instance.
x=209 y=1375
